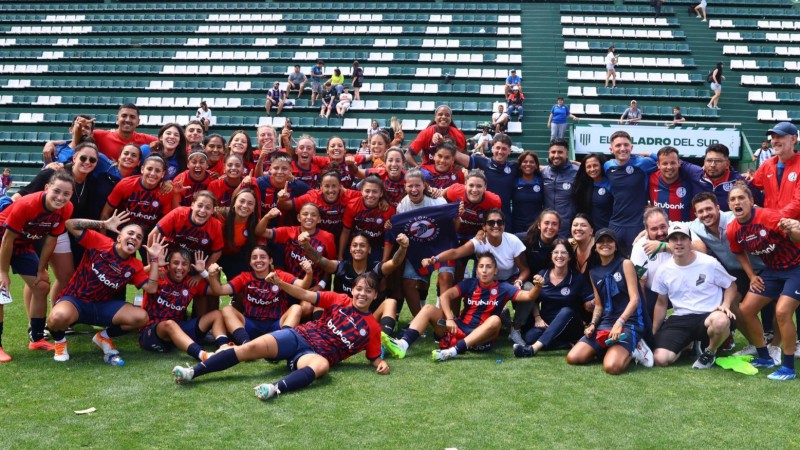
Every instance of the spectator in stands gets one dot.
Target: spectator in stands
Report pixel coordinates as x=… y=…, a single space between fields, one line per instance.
x=328 y=101
x=374 y=128
x=316 y=81
x=592 y=191
x=656 y=4
x=297 y=80
x=557 y=121
x=701 y=8
x=345 y=98
x=363 y=149
x=500 y=119
x=677 y=118
x=204 y=115
x=611 y=67
x=6 y=181
x=763 y=154
x=632 y=115
x=481 y=142
x=558 y=178
x=336 y=81
x=358 y=80
x=513 y=80
x=515 y=101
x=276 y=96
x=715 y=78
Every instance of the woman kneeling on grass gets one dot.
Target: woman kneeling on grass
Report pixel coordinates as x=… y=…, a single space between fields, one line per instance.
x=106 y=268
x=346 y=328
x=479 y=322
x=167 y=308
x=617 y=311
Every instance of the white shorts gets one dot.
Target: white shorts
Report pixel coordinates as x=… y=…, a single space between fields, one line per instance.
x=62 y=244
x=716 y=87
x=609 y=67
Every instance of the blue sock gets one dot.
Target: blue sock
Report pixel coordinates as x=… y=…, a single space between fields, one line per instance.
x=296 y=380
x=788 y=361
x=763 y=353
x=387 y=325
x=194 y=350
x=37 y=328
x=57 y=336
x=114 y=331
x=461 y=347
x=410 y=335
x=220 y=361
x=221 y=340
x=240 y=336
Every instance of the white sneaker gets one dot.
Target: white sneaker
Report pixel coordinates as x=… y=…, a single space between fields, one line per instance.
x=776 y=353
x=266 y=391
x=797 y=349
x=61 y=354
x=182 y=375
x=642 y=354
x=515 y=336
x=747 y=350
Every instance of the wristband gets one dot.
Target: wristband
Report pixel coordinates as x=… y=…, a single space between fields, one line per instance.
x=204 y=274
x=448 y=319
x=435 y=259
x=153 y=259
x=621 y=321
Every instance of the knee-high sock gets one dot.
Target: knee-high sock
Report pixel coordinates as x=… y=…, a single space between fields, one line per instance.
x=220 y=361
x=296 y=380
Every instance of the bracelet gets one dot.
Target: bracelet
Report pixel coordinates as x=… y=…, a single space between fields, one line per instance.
x=621 y=321
x=150 y=280
x=662 y=246
x=204 y=274
x=435 y=259
x=153 y=259
x=448 y=319
x=592 y=324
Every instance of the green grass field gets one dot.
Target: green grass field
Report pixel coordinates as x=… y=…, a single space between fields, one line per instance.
x=486 y=400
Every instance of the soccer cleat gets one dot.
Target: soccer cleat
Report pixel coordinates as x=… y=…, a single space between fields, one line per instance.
x=523 y=351
x=61 y=354
x=266 y=391
x=392 y=346
x=642 y=354
x=105 y=344
x=705 y=361
x=4 y=357
x=782 y=374
x=441 y=355
x=762 y=363
x=182 y=375
x=515 y=336
x=747 y=350
x=41 y=344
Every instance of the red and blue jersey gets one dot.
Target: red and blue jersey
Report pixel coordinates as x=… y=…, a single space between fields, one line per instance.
x=262 y=299
x=331 y=214
x=293 y=252
x=172 y=299
x=222 y=191
x=370 y=221
x=394 y=190
x=441 y=180
x=675 y=198
x=311 y=175
x=186 y=197
x=178 y=229
x=32 y=221
x=348 y=178
x=472 y=215
x=762 y=237
x=629 y=183
x=483 y=301
x=342 y=331
x=102 y=272
x=268 y=195
x=145 y=206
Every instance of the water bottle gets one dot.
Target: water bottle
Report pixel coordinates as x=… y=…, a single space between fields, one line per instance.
x=113 y=359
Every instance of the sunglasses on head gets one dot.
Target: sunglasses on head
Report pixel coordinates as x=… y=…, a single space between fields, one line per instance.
x=91 y=159
x=496 y=223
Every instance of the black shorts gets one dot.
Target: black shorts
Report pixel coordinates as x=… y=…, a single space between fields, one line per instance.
x=357 y=84
x=679 y=331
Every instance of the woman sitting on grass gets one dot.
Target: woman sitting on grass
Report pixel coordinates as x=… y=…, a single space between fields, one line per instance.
x=346 y=328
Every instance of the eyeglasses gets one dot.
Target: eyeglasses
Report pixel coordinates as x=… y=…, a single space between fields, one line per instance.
x=91 y=159
x=715 y=161
x=496 y=223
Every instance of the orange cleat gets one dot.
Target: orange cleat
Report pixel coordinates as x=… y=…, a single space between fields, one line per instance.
x=41 y=344
x=4 y=357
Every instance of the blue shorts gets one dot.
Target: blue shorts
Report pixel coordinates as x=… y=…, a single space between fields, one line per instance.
x=291 y=347
x=256 y=328
x=25 y=264
x=781 y=282
x=629 y=343
x=95 y=313
x=410 y=273
x=149 y=340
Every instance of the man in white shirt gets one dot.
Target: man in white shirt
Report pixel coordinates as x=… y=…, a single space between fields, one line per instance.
x=702 y=294
x=500 y=119
x=649 y=253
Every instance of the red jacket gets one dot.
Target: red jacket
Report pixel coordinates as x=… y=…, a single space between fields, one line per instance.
x=785 y=198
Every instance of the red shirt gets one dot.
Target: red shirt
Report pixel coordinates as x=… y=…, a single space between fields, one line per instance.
x=102 y=272
x=472 y=216
x=110 y=143
x=395 y=190
x=145 y=206
x=178 y=229
x=262 y=299
x=370 y=221
x=187 y=196
x=348 y=179
x=218 y=167
x=762 y=237
x=332 y=213
x=172 y=299
x=785 y=197
x=294 y=254
x=222 y=191
x=311 y=175
x=424 y=142
x=442 y=180
x=32 y=221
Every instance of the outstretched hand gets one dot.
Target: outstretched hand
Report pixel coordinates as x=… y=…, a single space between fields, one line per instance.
x=117 y=218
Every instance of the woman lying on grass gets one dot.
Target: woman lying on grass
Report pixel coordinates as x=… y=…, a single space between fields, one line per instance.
x=346 y=328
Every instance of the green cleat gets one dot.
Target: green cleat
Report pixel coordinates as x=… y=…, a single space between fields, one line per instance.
x=392 y=346
x=441 y=355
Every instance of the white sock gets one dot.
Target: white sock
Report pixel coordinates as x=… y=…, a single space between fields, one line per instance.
x=403 y=344
x=61 y=341
x=104 y=334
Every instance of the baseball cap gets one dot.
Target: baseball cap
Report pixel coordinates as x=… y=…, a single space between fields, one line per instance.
x=676 y=228
x=782 y=129
x=633 y=101
x=605 y=232
x=513 y=70
x=515 y=88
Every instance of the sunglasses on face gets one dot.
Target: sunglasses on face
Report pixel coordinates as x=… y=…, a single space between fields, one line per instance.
x=83 y=159
x=496 y=223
